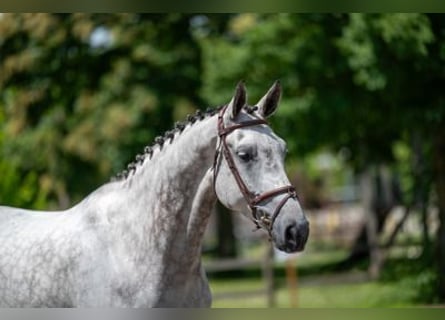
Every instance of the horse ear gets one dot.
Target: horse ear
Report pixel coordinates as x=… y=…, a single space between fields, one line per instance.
x=239 y=100
x=269 y=103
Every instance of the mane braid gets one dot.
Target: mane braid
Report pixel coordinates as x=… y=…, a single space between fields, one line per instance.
x=159 y=141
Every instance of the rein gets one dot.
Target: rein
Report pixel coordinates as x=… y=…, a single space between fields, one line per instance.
x=252 y=199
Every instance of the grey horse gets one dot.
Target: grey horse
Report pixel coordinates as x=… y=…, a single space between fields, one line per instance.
x=136 y=241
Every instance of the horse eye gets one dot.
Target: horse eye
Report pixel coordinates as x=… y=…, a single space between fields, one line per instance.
x=245 y=156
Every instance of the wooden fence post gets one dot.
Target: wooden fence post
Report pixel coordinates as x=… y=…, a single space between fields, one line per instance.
x=292 y=281
x=268 y=275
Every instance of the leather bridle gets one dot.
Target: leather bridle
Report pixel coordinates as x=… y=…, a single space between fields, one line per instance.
x=252 y=199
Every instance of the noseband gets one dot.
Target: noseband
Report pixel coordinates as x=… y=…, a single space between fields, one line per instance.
x=252 y=199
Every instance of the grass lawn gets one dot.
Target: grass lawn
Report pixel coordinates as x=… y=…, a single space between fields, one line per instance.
x=359 y=295
x=405 y=282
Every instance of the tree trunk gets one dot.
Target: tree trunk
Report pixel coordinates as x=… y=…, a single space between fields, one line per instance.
x=422 y=185
x=439 y=166
x=377 y=202
x=372 y=223
x=397 y=228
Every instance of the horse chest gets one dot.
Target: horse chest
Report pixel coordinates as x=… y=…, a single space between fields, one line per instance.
x=185 y=290
x=118 y=280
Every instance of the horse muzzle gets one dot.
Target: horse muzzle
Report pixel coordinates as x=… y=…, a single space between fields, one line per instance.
x=292 y=236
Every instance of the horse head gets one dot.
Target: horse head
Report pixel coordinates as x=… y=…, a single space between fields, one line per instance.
x=249 y=170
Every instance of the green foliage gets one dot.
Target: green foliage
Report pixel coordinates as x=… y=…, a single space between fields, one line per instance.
x=16 y=188
x=19 y=190
x=423 y=286
x=414 y=277
x=83 y=93
x=87 y=91
x=351 y=81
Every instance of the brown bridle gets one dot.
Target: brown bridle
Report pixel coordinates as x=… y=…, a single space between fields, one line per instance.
x=253 y=199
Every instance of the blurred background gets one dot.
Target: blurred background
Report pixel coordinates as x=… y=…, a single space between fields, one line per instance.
x=362 y=111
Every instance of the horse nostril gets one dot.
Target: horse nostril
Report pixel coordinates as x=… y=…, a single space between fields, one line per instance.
x=291 y=234
x=295 y=236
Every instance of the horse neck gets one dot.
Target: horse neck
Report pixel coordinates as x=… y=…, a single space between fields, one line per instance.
x=171 y=193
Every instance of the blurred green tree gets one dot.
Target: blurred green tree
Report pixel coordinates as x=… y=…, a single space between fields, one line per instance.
x=18 y=188
x=83 y=93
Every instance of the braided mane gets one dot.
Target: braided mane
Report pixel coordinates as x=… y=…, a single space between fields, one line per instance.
x=169 y=136
x=161 y=140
